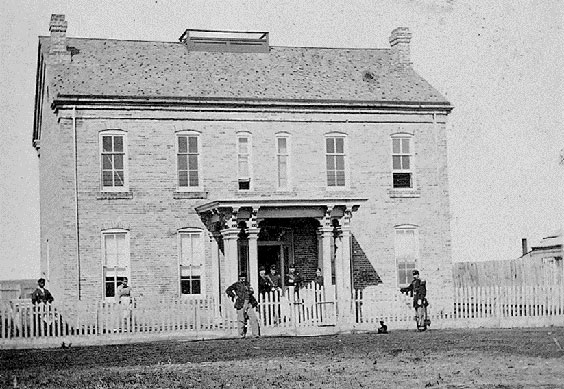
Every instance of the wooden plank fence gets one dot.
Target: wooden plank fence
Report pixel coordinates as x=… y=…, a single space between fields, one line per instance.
x=310 y=310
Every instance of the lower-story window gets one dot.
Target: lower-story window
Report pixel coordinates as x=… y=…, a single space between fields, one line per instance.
x=115 y=259
x=191 y=261
x=407 y=252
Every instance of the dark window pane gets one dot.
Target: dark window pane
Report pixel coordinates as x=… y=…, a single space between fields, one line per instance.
x=340 y=162
x=396 y=145
x=193 y=144
x=118 y=178
x=340 y=178
x=196 y=285
x=107 y=143
x=193 y=162
x=183 y=178
x=107 y=178
x=118 y=162
x=185 y=285
x=106 y=162
x=405 y=146
x=194 y=181
x=330 y=145
x=340 y=145
x=182 y=162
x=244 y=184
x=331 y=179
x=110 y=290
x=405 y=162
x=402 y=180
x=182 y=144
x=396 y=161
x=118 y=144
x=282 y=145
x=330 y=162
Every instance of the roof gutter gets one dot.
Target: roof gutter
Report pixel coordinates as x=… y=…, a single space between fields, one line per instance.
x=159 y=101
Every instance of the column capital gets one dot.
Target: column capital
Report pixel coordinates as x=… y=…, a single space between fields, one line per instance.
x=325 y=231
x=230 y=233
x=253 y=233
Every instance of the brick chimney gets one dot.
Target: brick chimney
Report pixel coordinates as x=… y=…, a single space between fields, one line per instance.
x=58 y=52
x=399 y=41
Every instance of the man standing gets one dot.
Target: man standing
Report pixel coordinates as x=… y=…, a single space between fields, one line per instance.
x=293 y=278
x=124 y=298
x=244 y=304
x=418 y=289
x=41 y=294
x=264 y=282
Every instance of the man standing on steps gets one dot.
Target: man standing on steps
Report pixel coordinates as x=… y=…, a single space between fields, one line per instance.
x=245 y=303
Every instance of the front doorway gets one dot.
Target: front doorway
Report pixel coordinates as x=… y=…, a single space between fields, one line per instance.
x=277 y=254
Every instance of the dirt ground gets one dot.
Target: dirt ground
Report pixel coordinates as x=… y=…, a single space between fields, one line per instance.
x=509 y=358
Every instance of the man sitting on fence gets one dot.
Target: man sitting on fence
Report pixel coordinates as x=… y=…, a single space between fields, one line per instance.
x=245 y=303
x=41 y=294
x=418 y=289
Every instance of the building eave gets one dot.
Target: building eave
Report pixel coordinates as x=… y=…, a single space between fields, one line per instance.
x=98 y=101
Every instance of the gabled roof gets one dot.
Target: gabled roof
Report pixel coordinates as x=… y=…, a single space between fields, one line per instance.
x=104 y=67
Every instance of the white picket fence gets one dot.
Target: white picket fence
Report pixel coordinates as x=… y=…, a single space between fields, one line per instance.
x=309 y=310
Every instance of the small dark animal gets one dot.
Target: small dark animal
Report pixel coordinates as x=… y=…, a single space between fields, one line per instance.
x=383 y=328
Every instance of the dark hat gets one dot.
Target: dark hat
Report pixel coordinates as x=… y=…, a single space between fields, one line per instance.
x=242 y=275
x=415 y=272
x=292 y=266
x=261 y=268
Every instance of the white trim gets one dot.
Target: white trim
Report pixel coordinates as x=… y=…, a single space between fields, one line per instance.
x=200 y=233
x=198 y=136
x=346 y=160
x=114 y=132
x=249 y=137
x=411 y=154
x=288 y=137
x=127 y=273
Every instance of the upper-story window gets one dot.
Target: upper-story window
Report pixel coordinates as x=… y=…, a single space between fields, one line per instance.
x=115 y=259
x=407 y=252
x=402 y=161
x=244 y=148
x=113 y=157
x=191 y=261
x=283 y=160
x=188 y=160
x=335 y=152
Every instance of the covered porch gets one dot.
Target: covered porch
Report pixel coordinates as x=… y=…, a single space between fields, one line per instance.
x=306 y=233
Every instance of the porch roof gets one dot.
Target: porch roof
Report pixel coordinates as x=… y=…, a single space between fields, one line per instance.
x=352 y=203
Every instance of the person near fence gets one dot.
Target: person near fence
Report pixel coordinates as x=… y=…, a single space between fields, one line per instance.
x=264 y=282
x=124 y=298
x=43 y=314
x=293 y=278
x=275 y=278
x=318 y=278
x=418 y=289
x=41 y=294
x=245 y=303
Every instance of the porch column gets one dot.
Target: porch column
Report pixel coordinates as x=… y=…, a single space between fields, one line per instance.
x=326 y=245
x=253 y=232
x=215 y=280
x=230 y=237
x=343 y=265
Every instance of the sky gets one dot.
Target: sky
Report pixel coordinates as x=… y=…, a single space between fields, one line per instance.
x=499 y=62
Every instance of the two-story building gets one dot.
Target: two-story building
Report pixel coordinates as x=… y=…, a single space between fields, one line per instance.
x=181 y=164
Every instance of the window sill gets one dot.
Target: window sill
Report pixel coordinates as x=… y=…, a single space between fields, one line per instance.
x=404 y=193
x=190 y=195
x=114 y=196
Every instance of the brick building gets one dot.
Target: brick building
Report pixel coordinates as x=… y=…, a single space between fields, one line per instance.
x=181 y=164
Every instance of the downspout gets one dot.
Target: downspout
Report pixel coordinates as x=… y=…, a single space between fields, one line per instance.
x=77 y=230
